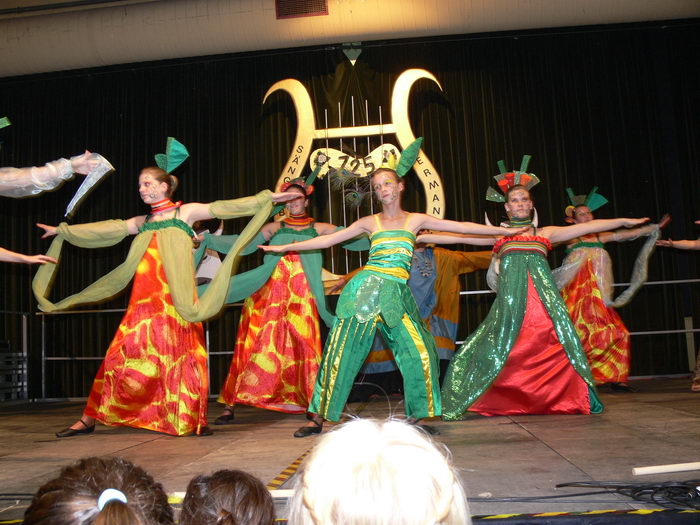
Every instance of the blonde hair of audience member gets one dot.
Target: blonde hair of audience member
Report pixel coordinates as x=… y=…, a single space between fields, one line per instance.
x=227 y=497
x=72 y=498
x=380 y=473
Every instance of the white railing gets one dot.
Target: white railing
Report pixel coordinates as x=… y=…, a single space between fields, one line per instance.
x=688 y=329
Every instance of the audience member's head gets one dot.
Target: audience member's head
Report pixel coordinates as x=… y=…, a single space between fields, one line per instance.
x=381 y=473
x=227 y=497
x=100 y=491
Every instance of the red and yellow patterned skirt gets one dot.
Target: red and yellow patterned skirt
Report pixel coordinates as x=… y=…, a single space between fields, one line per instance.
x=154 y=375
x=278 y=345
x=603 y=334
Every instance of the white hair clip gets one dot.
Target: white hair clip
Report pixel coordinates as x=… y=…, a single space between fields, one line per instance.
x=110 y=495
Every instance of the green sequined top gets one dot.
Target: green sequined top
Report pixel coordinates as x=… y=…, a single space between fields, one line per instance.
x=380 y=288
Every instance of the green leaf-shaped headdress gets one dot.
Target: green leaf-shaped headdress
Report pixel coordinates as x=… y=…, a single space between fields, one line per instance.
x=403 y=164
x=175 y=154
x=408 y=157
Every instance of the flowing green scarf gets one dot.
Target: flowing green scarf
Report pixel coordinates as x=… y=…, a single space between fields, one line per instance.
x=175 y=248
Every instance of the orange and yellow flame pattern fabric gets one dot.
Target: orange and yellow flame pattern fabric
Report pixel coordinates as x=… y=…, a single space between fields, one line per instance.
x=154 y=375
x=278 y=345
x=603 y=335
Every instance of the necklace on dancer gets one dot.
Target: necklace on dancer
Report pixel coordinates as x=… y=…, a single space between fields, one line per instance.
x=518 y=223
x=164 y=205
x=301 y=219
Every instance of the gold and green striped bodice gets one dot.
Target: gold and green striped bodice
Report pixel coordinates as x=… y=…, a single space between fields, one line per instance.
x=390 y=253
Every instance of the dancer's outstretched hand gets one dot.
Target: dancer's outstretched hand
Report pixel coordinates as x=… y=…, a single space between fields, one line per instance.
x=14 y=257
x=49 y=231
x=666 y=243
x=38 y=259
x=631 y=223
x=83 y=164
x=280 y=248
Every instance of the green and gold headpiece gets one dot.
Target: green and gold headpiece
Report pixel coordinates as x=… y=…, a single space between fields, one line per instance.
x=593 y=201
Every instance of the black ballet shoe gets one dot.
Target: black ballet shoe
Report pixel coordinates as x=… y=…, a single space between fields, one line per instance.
x=309 y=431
x=68 y=432
x=621 y=387
x=226 y=418
x=205 y=431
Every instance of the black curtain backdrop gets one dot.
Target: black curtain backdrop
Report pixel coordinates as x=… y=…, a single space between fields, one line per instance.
x=615 y=107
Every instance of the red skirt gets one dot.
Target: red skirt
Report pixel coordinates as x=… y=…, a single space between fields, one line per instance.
x=537 y=377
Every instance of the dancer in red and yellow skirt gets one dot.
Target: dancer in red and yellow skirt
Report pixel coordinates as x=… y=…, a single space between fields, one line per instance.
x=586 y=281
x=278 y=343
x=154 y=375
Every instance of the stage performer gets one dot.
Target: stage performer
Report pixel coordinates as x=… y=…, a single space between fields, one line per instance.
x=686 y=245
x=154 y=375
x=278 y=343
x=379 y=298
x=525 y=357
x=586 y=282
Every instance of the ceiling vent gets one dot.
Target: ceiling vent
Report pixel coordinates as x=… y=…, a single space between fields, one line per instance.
x=297 y=8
